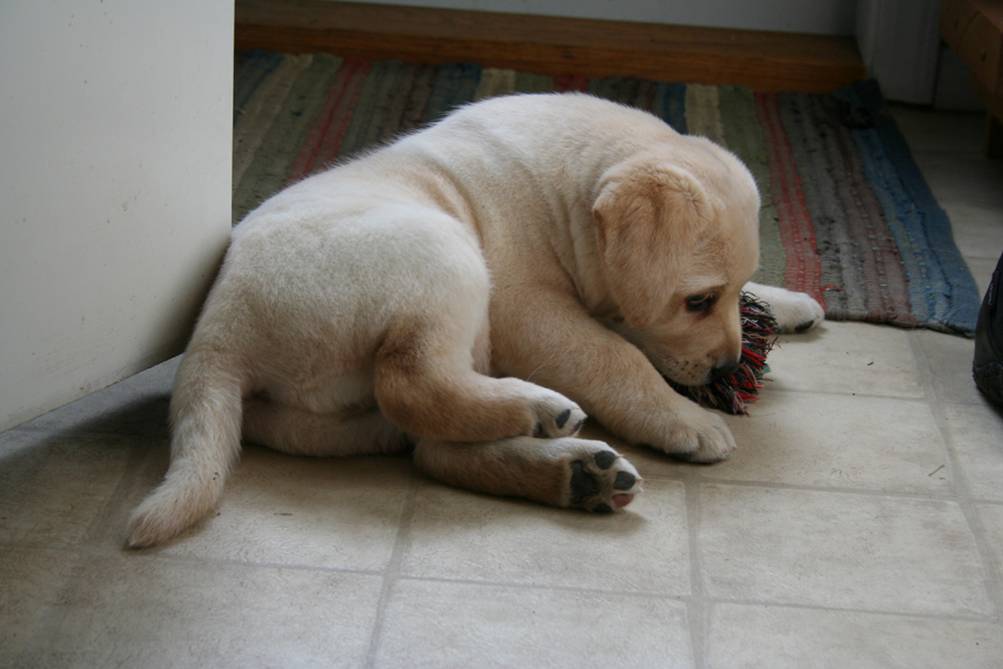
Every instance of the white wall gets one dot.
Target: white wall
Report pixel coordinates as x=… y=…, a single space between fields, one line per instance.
x=830 y=17
x=115 y=135
x=899 y=42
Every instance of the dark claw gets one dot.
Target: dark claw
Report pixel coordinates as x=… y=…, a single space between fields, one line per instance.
x=538 y=430
x=624 y=481
x=803 y=326
x=579 y=426
x=602 y=508
x=562 y=418
x=583 y=484
x=604 y=459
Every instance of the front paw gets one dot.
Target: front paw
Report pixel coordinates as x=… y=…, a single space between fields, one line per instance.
x=797 y=312
x=555 y=415
x=697 y=435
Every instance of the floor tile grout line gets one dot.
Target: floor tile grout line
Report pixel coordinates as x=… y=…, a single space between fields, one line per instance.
x=97 y=550
x=868 y=492
x=516 y=585
x=990 y=565
x=696 y=608
x=839 y=393
x=706 y=599
x=392 y=572
x=957 y=617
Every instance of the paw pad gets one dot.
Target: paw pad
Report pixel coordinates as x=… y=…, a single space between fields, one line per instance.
x=624 y=481
x=605 y=459
x=600 y=480
x=583 y=483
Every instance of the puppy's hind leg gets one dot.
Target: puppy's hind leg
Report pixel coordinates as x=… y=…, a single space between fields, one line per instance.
x=205 y=443
x=566 y=472
x=794 y=311
x=302 y=432
x=424 y=375
x=425 y=383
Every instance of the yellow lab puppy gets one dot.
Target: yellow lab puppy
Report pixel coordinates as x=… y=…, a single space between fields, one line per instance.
x=575 y=247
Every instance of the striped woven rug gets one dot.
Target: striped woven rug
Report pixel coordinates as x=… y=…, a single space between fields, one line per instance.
x=846 y=216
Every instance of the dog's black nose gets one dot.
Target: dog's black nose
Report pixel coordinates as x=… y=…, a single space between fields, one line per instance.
x=723 y=371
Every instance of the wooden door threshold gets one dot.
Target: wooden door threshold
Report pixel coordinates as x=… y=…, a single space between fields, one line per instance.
x=766 y=61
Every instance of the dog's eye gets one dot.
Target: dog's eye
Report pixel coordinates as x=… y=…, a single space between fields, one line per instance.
x=700 y=303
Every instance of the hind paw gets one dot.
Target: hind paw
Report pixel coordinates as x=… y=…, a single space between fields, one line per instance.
x=599 y=479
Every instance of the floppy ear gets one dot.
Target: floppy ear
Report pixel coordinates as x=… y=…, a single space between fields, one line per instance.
x=645 y=216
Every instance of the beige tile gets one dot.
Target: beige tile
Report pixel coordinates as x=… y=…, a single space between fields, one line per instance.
x=950 y=360
x=778 y=637
x=982 y=271
x=140 y=611
x=840 y=441
x=278 y=509
x=974 y=179
x=978 y=230
x=976 y=434
x=436 y=624
x=949 y=132
x=137 y=405
x=32 y=582
x=843 y=357
x=56 y=489
x=817 y=439
x=839 y=550
x=460 y=535
x=992 y=521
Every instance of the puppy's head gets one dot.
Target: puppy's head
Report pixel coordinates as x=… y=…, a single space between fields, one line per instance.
x=677 y=237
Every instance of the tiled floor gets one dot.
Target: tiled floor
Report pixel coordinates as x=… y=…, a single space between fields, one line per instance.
x=859 y=525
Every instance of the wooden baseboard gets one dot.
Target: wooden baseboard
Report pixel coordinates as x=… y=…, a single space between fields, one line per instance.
x=767 y=61
x=974 y=31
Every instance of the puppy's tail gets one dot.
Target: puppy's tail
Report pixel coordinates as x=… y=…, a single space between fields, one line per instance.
x=205 y=444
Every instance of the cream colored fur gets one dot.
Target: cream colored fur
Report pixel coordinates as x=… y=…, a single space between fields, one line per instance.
x=550 y=240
